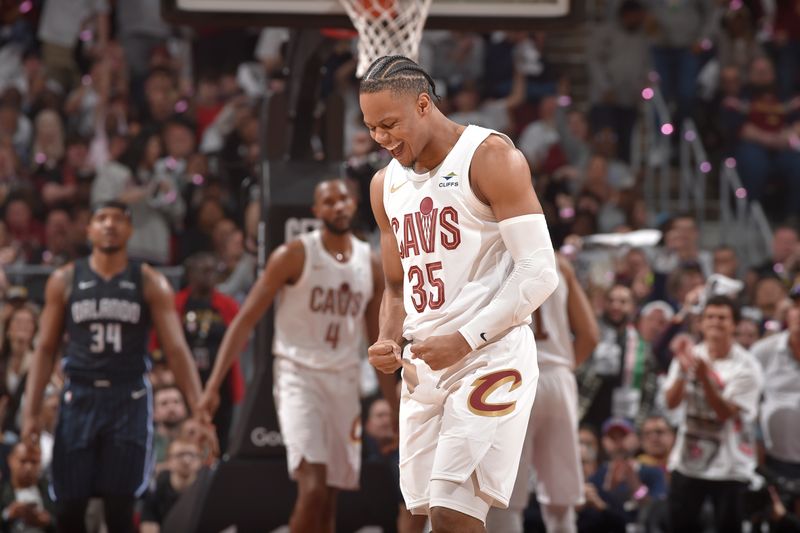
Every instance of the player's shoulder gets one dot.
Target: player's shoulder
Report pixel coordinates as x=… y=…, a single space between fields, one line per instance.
x=378 y=178
x=495 y=152
x=62 y=277
x=153 y=280
x=289 y=258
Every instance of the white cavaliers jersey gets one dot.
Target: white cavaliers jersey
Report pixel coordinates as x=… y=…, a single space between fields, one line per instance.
x=319 y=321
x=453 y=256
x=551 y=328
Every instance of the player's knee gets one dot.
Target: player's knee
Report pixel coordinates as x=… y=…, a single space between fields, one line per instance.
x=313 y=491
x=444 y=520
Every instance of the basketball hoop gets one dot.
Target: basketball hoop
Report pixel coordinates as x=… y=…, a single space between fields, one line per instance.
x=386 y=27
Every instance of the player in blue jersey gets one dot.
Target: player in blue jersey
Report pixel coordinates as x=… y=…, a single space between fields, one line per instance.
x=106 y=304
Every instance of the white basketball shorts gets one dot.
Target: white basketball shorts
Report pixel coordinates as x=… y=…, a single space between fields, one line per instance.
x=551 y=444
x=468 y=418
x=319 y=412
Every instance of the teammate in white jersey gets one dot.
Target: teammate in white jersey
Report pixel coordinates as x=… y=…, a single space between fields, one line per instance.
x=327 y=283
x=467 y=259
x=566 y=334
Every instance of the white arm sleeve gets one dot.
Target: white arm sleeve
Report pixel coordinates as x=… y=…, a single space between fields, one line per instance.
x=530 y=283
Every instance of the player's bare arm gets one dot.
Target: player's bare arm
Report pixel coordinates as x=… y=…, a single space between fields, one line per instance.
x=285 y=265
x=51 y=327
x=582 y=321
x=386 y=381
x=385 y=353
x=501 y=178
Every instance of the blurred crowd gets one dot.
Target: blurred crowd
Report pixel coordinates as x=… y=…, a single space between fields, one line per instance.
x=102 y=99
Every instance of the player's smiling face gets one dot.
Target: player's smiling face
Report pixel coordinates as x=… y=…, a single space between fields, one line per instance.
x=109 y=229
x=395 y=121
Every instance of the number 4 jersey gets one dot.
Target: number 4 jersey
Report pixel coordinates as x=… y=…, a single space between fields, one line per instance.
x=319 y=321
x=453 y=256
x=108 y=325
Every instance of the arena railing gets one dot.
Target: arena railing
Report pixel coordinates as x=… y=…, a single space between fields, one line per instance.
x=695 y=168
x=743 y=223
x=651 y=150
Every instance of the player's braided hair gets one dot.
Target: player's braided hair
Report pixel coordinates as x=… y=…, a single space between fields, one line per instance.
x=397 y=73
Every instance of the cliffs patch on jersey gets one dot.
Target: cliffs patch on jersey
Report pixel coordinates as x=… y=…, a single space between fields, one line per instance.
x=422 y=230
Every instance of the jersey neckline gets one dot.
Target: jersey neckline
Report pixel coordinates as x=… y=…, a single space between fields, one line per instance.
x=415 y=176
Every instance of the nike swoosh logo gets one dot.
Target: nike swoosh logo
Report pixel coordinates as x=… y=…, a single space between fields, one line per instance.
x=395 y=189
x=138 y=394
x=483 y=336
x=83 y=285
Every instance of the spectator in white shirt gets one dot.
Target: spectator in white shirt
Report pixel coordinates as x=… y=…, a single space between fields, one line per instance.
x=779 y=356
x=719 y=384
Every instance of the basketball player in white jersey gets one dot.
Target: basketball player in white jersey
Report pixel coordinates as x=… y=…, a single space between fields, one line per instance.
x=327 y=283
x=566 y=334
x=467 y=259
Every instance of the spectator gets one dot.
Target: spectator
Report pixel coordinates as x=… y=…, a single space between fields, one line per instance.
x=10 y=175
x=539 y=141
x=199 y=233
x=725 y=261
x=624 y=484
x=682 y=247
x=238 y=265
x=785 y=259
x=719 y=384
x=161 y=94
x=25 y=232
x=682 y=31
x=380 y=437
x=156 y=205
x=15 y=126
x=57 y=250
x=169 y=412
x=612 y=381
x=59 y=29
x=454 y=56
x=70 y=182
x=748 y=332
x=19 y=331
x=16 y=351
x=764 y=152
x=770 y=293
x=140 y=30
x=786 y=39
x=48 y=141
x=779 y=356
x=599 y=183
x=657 y=438
x=25 y=499
x=737 y=46
x=618 y=63
x=494 y=114
x=206 y=314
x=184 y=461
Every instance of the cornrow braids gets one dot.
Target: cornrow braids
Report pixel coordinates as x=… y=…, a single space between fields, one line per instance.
x=397 y=73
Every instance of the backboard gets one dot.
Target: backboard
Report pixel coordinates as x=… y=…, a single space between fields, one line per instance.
x=444 y=14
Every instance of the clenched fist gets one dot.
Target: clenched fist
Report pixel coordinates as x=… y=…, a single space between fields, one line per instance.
x=385 y=356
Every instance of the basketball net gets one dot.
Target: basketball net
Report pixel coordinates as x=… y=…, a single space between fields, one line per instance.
x=386 y=27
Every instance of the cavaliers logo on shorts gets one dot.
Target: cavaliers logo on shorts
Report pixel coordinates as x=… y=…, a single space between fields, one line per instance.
x=484 y=386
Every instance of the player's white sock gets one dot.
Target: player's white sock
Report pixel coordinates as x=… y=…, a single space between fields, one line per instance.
x=559 y=519
x=503 y=521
